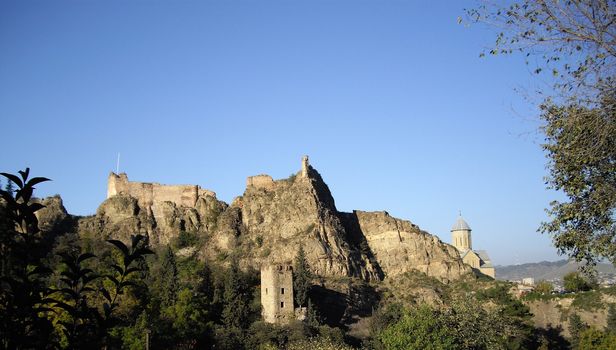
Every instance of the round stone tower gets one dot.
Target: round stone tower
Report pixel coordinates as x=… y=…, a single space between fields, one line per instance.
x=461 y=235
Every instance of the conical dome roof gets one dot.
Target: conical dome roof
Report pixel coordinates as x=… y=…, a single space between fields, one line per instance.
x=460 y=225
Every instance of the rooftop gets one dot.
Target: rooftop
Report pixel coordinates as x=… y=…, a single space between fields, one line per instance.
x=460 y=225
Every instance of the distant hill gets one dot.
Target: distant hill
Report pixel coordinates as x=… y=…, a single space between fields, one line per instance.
x=545 y=270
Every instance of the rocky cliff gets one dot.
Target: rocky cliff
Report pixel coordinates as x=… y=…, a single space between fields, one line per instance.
x=121 y=216
x=272 y=219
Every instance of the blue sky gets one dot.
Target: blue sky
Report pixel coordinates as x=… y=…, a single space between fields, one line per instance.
x=388 y=98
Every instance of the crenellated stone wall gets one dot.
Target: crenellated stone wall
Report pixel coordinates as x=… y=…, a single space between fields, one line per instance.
x=149 y=193
x=260 y=181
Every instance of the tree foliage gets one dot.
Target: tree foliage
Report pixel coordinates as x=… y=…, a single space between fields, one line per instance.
x=594 y=339
x=575 y=41
x=544 y=287
x=168 y=283
x=576 y=282
x=490 y=320
x=236 y=299
x=302 y=278
x=576 y=328
x=581 y=148
x=24 y=293
x=420 y=328
x=29 y=303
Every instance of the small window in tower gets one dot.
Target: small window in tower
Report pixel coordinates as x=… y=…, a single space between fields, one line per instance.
x=282 y=304
x=265 y=291
x=281 y=290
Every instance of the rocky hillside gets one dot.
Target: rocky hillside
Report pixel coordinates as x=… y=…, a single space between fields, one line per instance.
x=555 y=312
x=270 y=221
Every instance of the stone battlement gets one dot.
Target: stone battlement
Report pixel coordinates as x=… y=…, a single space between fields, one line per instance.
x=266 y=182
x=277 y=268
x=148 y=193
x=260 y=181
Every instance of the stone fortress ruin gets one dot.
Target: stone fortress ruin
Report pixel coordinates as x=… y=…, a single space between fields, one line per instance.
x=171 y=208
x=265 y=181
x=148 y=194
x=277 y=293
x=284 y=212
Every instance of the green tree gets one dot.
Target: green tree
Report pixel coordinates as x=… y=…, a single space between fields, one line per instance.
x=576 y=328
x=79 y=321
x=420 y=328
x=84 y=312
x=575 y=42
x=544 y=287
x=312 y=316
x=594 y=339
x=581 y=148
x=169 y=284
x=190 y=320
x=83 y=324
x=575 y=282
x=236 y=299
x=24 y=289
x=302 y=278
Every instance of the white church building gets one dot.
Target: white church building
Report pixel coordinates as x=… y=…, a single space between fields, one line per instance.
x=461 y=239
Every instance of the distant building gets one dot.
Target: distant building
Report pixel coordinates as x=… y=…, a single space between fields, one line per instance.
x=529 y=281
x=461 y=239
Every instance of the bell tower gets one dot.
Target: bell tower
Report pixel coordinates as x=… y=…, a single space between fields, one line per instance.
x=461 y=235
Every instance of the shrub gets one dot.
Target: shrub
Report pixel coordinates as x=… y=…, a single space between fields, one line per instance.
x=186 y=239
x=544 y=287
x=421 y=328
x=319 y=343
x=594 y=339
x=588 y=301
x=575 y=282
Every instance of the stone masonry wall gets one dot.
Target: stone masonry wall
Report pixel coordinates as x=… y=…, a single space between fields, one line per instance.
x=277 y=293
x=260 y=181
x=149 y=193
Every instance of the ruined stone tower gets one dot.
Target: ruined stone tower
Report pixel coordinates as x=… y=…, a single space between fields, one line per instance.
x=305 y=166
x=277 y=293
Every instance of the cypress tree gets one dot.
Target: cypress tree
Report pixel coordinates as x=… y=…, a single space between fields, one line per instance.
x=235 y=310
x=302 y=278
x=312 y=316
x=169 y=281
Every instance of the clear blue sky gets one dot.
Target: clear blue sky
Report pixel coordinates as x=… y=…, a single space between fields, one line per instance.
x=388 y=98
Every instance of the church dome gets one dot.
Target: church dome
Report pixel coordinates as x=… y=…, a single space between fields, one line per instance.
x=460 y=225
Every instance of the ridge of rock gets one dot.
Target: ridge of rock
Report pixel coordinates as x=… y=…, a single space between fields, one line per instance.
x=272 y=219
